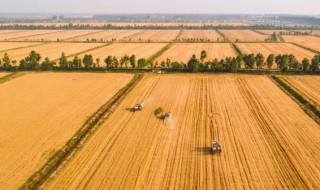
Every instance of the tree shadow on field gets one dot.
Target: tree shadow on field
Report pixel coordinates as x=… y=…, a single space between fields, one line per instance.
x=204 y=150
x=130 y=109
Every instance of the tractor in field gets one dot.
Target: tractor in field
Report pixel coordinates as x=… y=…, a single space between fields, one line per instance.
x=138 y=107
x=216 y=147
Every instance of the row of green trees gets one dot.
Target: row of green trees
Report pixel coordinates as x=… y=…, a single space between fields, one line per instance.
x=285 y=62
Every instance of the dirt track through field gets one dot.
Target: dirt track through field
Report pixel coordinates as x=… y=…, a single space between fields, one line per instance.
x=41 y=112
x=268 y=142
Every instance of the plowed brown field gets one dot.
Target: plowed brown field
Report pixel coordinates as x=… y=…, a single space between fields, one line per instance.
x=40 y=112
x=275 y=48
x=307 y=41
x=308 y=86
x=211 y=35
x=51 y=50
x=268 y=142
x=184 y=51
x=244 y=35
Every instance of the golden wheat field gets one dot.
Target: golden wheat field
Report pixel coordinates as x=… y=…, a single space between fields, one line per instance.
x=268 y=142
x=307 y=41
x=5 y=46
x=13 y=36
x=40 y=112
x=154 y=36
x=275 y=48
x=307 y=86
x=119 y=50
x=211 y=35
x=51 y=50
x=184 y=51
x=107 y=35
x=244 y=35
x=58 y=35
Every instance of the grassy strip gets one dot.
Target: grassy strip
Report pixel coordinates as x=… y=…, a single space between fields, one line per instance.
x=235 y=47
x=160 y=52
x=308 y=107
x=39 y=177
x=10 y=77
x=5 y=51
x=306 y=48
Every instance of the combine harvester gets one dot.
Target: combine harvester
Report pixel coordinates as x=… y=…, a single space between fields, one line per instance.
x=138 y=107
x=216 y=147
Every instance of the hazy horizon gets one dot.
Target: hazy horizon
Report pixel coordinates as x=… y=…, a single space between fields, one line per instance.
x=307 y=7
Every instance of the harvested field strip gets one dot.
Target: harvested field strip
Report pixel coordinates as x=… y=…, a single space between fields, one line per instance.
x=82 y=35
x=51 y=50
x=107 y=35
x=92 y=122
x=244 y=35
x=306 y=48
x=5 y=77
x=307 y=86
x=141 y=50
x=184 y=51
x=87 y=51
x=155 y=56
x=44 y=111
x=310 y=42
x=299 y=98
x=35 y=35
x=155 y=36
x=59 y=35
x=10 y=31
x=275 y=48
x=260 y=130
x=211 y=35
x=23 y=34
x=10 y=46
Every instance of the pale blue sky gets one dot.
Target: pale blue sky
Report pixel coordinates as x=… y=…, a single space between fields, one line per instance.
x=162 y=6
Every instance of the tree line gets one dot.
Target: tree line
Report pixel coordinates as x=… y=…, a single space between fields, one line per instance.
x=284 y=62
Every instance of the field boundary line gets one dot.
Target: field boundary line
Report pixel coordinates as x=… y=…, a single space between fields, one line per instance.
x=82 y=35
x=6 y=51
x=160 y=52
x=165 y=48
x=310 y=109
x=11 y=77
x=67 y=151
x=85 y=51
x=306 y=48
x=33 y=35
x=236 y=49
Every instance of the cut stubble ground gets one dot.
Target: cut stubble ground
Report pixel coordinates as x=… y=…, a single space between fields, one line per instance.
x=268 y=142
x=44 y=110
